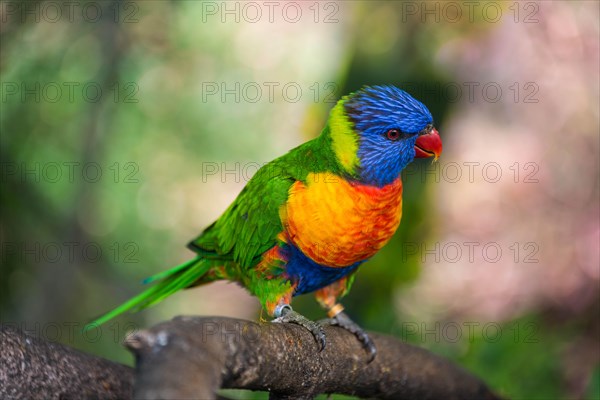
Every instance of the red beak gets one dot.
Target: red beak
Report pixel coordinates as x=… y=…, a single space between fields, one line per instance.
x=429 y=145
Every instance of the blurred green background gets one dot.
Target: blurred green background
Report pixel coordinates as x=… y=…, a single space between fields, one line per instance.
x=127 y=127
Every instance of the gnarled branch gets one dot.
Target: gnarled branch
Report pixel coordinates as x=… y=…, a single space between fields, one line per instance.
x=192 y=357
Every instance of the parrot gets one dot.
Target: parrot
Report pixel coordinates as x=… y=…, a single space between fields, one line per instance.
x=307 y=220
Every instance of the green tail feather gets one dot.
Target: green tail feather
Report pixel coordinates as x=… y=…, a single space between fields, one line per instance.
x=174 y=279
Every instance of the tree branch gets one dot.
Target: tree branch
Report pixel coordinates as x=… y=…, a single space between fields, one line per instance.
x=33 y=368
x=192 y=357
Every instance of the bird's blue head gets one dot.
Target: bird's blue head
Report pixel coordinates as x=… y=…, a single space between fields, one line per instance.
x=378 y=130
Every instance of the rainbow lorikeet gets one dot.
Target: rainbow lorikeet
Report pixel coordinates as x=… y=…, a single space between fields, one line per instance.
x=307 y=220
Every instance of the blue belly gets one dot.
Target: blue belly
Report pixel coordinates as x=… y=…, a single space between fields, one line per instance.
x=309 y=275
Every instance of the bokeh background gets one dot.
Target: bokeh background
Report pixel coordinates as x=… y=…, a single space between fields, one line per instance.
x=127 y=127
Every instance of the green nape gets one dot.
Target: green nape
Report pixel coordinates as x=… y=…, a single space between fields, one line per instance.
x=174 y=279
x=344 y=139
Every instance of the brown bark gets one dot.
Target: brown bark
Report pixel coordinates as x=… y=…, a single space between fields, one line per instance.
x=32 y=368
x=191 y=357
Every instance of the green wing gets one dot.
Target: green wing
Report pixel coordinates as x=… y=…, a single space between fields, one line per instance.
x=247 y=229
x=250 y=225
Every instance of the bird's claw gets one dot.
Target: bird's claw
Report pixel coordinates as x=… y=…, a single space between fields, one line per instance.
x=285 y=314
x=343 y=321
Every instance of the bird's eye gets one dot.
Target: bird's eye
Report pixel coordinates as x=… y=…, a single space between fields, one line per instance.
x=393 y=134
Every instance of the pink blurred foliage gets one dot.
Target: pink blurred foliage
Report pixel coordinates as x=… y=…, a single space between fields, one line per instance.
x=557 y=210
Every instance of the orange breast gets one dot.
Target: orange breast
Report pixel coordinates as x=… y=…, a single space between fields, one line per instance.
x=338 y=223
